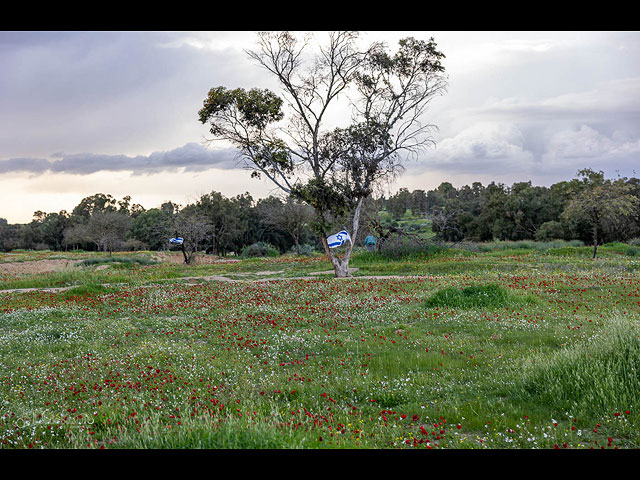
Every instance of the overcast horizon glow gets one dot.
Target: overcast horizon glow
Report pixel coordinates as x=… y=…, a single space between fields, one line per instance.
x=116 y=113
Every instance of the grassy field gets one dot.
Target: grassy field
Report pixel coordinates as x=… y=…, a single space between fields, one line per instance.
x=508 y=345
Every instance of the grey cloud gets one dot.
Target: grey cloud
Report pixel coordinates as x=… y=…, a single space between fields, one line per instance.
x=190 y=157
x=29 y=165
x=498 y=148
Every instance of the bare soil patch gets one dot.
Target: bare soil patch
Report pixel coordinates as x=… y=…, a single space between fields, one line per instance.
x=38 y=266
x=197 y=259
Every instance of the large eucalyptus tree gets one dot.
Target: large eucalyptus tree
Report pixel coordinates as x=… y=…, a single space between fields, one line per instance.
x=331 y=167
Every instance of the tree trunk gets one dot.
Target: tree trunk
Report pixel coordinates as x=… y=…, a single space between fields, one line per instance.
x=595 y=240
x=187 y=259
x=341 y=265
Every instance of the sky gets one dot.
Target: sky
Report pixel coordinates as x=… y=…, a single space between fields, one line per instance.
x=116 y=112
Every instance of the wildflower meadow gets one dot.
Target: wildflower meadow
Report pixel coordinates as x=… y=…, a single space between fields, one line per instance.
x=510 y=347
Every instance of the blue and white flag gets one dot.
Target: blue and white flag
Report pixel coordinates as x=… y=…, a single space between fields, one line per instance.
x=177 y=241
x=338 y=239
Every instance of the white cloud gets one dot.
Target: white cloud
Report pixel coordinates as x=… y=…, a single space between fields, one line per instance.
x=481 y=147
x=575 y=146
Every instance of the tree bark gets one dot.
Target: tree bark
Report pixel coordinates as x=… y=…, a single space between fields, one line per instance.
x=297 y=243
x=341 y=265
x=595 y=240
x=187 y=259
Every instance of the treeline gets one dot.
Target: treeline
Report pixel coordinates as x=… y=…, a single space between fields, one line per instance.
x=583 y=208
x=214 y=223
x=589 y=208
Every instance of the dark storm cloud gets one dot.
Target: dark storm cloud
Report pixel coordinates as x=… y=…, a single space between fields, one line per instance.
x=190 y=157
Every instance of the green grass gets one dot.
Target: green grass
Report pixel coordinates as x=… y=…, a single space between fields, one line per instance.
x=513 y=345
x=599 y=374
x=124 y=260
x=477 y=296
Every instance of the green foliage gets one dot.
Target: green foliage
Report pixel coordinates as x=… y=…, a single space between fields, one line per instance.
x=151 y=227
x=404 y=248
x=632 y=251
x=260 y=249
x=476 y=296
x=257 y=107
x=550 y=230
x=127 y=260
x=306 y=250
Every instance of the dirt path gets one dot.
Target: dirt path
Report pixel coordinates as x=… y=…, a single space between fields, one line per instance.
x=220 y=278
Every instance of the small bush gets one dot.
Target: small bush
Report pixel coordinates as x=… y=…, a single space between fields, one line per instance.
x=405 y=248
x=632 y=251
x=306 y=249
x=477 y=296
x=260 y=249
x=470 y=297
x=134 y=245
x=127 y=260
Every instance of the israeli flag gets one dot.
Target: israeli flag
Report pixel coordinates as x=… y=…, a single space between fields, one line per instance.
x=177 y=241
x=338 y=239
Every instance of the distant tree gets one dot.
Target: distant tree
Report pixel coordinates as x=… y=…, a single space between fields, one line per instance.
x=418 y=202
x=93 y=204
x=5 y=233
x=266 y=231
x=525 y=207
x=124 y=204
x=136 y=209
x=333 y=171
x=51 y=227
x=444 y=222
x=494 y=214
x=151 y=227
x=75 y=236
x=193 y=228
x=601 y=202
x=224 y=219
x=170 y=207
x=398 y=204
x=291 y=216
x=240 y=234
x=108 y=229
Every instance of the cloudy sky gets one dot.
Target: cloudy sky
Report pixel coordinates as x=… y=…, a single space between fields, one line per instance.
x=116 y=112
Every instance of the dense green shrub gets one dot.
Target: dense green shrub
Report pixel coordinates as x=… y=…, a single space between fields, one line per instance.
x=549 y=231
x=260 y=249
x=403 y=248
x=476 y=296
